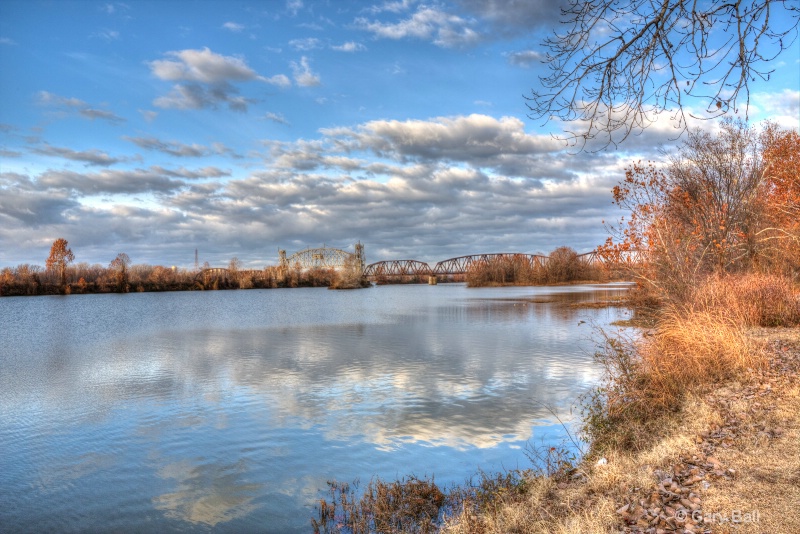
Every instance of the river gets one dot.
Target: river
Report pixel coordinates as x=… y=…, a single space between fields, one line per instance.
x=229 y=410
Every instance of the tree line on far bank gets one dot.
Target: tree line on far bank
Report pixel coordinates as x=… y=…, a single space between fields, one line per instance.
x=61 y=276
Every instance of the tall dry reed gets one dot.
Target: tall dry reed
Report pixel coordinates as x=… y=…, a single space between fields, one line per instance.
x=689 y=352
x=752 y=299
x=694 y=346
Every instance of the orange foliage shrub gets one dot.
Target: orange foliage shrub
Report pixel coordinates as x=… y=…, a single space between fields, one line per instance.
x=728 y=202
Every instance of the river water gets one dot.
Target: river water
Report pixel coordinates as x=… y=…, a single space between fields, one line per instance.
x=229 y=410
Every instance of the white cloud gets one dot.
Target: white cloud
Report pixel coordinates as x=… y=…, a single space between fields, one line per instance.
x=90 y=157
x=233 y=26
x=108 y=35
x=148 y=115
x=303 y=74
x=109 y=181
x=310 y=43
x=514 y=15
x=393 y=7
x=465 y=138
x=92 y=114
x=45 y=98
x=782 y=108
x=7 y=41
x=206 y=80
x=475 y=183
x=293 y=6
x=173 y=148
x=350 y=46
x=440 y=27
x=202 y=66
x=276 y=117
x=110 y=9
x=524 y=58
x=280 y=80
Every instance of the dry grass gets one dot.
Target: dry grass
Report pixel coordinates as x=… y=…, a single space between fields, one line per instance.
x=691 y=349
x=691 y=352
x=750 y=300
x=401 y=506
x=587 y=502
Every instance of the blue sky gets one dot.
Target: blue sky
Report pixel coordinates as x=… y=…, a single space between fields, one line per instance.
x=156 y=128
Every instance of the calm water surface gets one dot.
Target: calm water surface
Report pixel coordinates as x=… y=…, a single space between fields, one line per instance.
x=229 y=411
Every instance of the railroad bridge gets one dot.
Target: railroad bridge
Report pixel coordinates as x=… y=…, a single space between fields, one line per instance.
x=452 y=266
x=324 y=258
x=334 y=258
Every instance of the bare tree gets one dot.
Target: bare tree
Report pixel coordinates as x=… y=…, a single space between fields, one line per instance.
x=60 y=256
x=619 y=64
x=119 y=266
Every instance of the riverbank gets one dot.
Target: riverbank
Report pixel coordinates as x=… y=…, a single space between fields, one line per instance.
x=694 y=427
x=726 y=462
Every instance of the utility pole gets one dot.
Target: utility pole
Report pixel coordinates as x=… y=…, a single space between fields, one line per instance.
x=196 y=262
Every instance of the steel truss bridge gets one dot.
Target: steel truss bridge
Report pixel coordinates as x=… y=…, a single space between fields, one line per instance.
x=334 y=258
x=459 y=265
x=462 y=264
x=324 y=258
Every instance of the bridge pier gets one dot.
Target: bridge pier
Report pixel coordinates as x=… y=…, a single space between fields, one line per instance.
x=432 y=280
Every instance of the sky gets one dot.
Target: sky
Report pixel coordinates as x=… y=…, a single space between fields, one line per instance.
x=157 y=128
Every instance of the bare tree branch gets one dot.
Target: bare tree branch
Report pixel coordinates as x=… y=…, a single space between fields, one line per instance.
x=620 y=64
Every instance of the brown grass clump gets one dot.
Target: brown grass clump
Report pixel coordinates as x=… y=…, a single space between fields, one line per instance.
x=401 y=506
x=751 y=299
x=689 y=352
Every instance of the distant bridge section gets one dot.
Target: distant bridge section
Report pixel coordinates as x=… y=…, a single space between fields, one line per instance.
x=459 y=265
x=398 y=268
x=323 y=258
x=462 y=264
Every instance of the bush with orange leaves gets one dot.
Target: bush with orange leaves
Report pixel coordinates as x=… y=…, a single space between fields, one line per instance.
x=724 y=203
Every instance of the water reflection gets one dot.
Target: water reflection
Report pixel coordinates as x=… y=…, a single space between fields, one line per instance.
x=207 y=493
x=231 y=410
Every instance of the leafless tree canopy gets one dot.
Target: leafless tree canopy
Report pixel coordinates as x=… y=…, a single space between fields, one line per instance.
x=620 y=63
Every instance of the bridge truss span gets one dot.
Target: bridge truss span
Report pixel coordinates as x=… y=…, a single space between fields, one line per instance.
x=462 y=264
x=398 y=268
x=324 y=258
